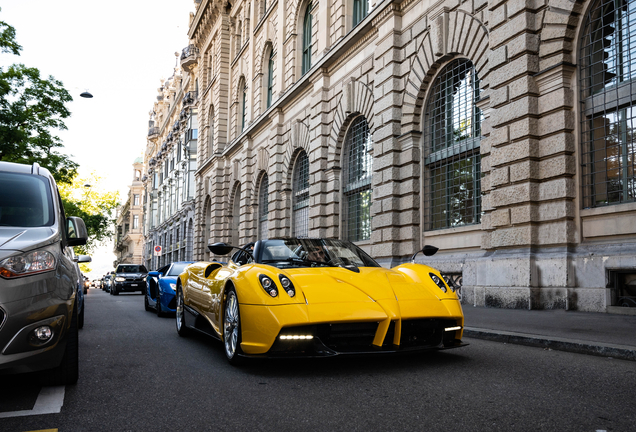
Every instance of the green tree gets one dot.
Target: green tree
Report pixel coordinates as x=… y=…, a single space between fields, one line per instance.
x=85 y=197
x=30 y=109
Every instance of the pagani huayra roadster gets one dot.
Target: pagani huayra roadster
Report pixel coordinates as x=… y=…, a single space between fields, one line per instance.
x=316 y=297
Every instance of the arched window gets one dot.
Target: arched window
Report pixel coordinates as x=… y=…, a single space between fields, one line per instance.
x=608 y=72
x=300 y=196
x=236 y=216
x=360 y=11
x=306 y=65
x=452 y=134
x=211 y=132
x=270 y=78
x=357 y=175
x=263 y=201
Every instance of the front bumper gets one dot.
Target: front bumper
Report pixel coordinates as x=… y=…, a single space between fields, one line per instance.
x=130 y=286
x=366 y=328
x=28 y=303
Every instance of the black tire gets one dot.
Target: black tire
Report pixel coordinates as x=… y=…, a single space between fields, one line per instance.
x=182 y=329
x=158 y=307
x=67 y=372
x=80 y=319
x=146 y=304
x=232 y=328
x=115 y=291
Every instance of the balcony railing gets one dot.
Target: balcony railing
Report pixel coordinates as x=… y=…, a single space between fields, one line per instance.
x=153 y=131
x=189 y=56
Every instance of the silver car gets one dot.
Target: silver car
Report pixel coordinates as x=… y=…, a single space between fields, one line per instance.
x=38 y=276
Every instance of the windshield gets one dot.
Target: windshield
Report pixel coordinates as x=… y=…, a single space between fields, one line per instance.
x=177 y=269
x=131 y=269
x=25 y=201
x=312 y=253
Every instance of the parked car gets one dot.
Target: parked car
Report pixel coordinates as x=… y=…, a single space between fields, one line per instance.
x=160 y=288
x=316 y=297
x=39 y=276
x=128 y=278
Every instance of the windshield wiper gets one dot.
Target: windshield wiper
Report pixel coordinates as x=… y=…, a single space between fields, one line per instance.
x=297 y=261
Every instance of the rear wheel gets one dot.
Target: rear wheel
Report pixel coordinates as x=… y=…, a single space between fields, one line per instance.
x=181 y=325
x=232 y=328
x=68 y=371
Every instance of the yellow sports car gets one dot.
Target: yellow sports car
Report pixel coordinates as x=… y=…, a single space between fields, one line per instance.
x=316 y=297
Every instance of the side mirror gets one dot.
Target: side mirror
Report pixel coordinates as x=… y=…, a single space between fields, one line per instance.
x=428 y=251
x=83 y=259
x=220 y=248
x=76 y=231
x=154 y=274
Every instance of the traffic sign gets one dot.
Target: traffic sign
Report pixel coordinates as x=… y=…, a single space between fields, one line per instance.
x=157 y=250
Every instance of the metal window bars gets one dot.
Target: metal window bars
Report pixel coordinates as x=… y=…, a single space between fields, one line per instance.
x=263 y=201
x=300 y=196
x=452 y=133
x=608 y=85
x=358 y=172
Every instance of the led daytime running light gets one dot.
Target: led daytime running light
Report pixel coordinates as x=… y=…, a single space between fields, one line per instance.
x=296 y=337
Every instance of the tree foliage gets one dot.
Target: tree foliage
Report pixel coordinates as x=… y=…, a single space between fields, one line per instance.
x=94 y=205
x=31 y=108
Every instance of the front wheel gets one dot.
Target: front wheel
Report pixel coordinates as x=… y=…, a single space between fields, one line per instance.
x=158 y=306
x=68 y=370
x=232 y=328
x=146 y=304
x=181 y=325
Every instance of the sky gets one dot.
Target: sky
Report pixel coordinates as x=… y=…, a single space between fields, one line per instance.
x=118 y=50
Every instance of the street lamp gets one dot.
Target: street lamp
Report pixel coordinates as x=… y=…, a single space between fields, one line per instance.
x=86 y=94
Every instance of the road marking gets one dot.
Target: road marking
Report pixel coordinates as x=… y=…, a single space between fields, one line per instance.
x=45 y=430
x=50 y=401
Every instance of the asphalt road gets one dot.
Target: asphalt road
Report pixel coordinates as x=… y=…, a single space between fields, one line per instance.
x=137 y=374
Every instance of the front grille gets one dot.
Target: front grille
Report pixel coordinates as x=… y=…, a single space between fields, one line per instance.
x=424 y=332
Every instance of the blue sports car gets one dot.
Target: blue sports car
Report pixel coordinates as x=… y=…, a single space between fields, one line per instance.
x=160 y=288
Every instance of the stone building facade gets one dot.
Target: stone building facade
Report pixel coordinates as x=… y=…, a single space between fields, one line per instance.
x=498 y=131
x=128 y=245
x=170 y=156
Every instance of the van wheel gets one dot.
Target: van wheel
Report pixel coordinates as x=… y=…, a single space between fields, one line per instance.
x=68 y=371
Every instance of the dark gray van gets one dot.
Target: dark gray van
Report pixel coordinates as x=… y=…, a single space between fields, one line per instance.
x=38 y=276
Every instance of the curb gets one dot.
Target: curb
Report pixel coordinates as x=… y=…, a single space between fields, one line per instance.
x=622 y=352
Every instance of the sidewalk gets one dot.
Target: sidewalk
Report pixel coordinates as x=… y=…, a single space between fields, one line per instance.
x=582 y=332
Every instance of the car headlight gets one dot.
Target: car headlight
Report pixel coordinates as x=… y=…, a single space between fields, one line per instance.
x=287 y=285
x=438 y=281
x=268 y=285
x=173 y=287
x=120 y=279
x=27 y=264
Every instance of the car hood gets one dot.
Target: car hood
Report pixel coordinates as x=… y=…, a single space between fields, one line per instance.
x=339 y=285
x=24 y=239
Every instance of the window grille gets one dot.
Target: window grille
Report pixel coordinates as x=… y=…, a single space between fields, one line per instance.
x=307 y=40
x=270 y=78
x=608 y=89
x=300 y=196
x=263 y=201
x=358 y=172
x=452 y=133
x=211 y=133
x=236 y=215
x=243 y=107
